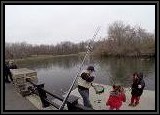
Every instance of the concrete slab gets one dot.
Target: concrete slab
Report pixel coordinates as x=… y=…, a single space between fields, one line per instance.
x=147 y=101
x=14 y=101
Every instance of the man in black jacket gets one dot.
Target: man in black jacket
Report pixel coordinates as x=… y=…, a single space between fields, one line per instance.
x=6 y=72
x=84 y=83
x=9 y=66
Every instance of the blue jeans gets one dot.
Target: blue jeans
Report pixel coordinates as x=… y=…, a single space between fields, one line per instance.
x=85 y=96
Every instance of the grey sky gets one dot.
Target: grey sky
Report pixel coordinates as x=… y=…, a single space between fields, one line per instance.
x=52 y=24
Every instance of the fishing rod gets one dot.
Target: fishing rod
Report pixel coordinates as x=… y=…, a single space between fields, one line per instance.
x=111 y=78
x=70 y=89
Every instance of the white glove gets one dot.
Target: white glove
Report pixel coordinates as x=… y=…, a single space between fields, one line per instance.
x=139 y=86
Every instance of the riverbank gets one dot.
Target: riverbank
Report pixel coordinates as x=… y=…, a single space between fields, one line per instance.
x=144 y=55
x=43 y=57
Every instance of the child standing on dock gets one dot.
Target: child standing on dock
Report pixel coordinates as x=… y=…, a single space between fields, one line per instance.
x=117 y=96
x=137 y=88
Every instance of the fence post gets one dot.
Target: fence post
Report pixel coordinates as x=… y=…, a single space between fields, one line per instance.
x=42 y=95
x=72 y=101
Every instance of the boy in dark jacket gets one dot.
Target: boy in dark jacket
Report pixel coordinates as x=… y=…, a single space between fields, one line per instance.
x=137 y=88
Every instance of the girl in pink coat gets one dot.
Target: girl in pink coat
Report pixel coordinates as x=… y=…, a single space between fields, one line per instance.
x=117 y=96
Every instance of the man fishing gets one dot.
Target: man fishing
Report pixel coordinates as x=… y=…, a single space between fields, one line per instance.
x=84 y=83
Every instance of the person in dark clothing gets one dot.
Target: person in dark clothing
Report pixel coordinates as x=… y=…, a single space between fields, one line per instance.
x=84 y=83
x=12 y=66
x=137 y=88
x=9 y=66
x=7 y=73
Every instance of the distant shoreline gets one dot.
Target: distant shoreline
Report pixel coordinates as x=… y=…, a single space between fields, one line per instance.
x=33 y=57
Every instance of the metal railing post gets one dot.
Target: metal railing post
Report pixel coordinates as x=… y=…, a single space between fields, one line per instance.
x=42 y=95
x=72 y=102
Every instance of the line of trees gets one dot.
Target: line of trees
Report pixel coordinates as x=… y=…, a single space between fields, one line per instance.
x=122 y=40
x=21 y=50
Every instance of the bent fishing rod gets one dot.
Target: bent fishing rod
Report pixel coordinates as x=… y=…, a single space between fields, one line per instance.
x=87 y=52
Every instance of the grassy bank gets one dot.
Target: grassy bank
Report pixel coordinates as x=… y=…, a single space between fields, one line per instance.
x=46 y=57
x=42 y=57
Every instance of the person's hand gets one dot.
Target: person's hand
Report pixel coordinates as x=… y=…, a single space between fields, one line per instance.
x=139 y=86
x=130 y=89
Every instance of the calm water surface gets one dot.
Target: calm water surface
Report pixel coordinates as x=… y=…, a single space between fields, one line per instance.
x=58 y=73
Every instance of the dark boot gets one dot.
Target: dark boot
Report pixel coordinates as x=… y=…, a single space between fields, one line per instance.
x=136 y=103
x=131 y=104
x=10 y=75
x=7 y=81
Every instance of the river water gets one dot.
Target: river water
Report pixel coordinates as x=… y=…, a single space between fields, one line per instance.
x=58 y=73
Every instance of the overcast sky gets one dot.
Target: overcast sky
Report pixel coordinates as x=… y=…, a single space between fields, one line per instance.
x=52 y=24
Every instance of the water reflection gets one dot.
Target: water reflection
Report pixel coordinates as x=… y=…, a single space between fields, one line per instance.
x=64 y=62
x=120 y=70
x=58 y=73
